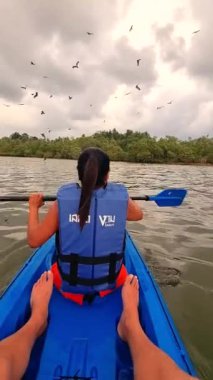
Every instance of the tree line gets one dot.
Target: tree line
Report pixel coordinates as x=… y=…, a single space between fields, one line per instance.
x=129 y=146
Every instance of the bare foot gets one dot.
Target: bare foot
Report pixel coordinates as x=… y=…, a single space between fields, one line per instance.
x=130 y=297
x=39 y=300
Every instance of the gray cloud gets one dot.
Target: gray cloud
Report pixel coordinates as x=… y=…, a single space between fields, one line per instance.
x=200 y=55
x=197 y=59
x=52 y=34
x=172 y=48
x=122 y=64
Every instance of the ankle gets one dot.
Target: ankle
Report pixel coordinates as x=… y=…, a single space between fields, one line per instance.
x=38 y=323
x=132 y=324
x=129 y=322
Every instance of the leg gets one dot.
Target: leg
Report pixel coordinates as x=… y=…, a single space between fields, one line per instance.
x=148 y=360
x=16 y=349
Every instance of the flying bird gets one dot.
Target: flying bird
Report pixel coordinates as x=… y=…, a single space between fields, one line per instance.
x=23 y=87
x=44 y=76
x=32 y=63
x=131 y=27
x=138 y=88
x=90 y=105
x=76 y=65
x=170 y=102
x=43 y=135
x=42 y=113
x=21 y=104
x=138 y=61
x=35 y=95
x=70 y=97
x=69 y=129
x=159 y=108
x=51 y=96
x=90 y=33
x=128 y=93
x=196 y=31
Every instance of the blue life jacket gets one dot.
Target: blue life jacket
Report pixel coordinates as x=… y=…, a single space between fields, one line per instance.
x=89 y=260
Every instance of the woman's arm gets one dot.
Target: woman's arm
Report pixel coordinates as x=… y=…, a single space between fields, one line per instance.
x=40 y=231
x=134 y=211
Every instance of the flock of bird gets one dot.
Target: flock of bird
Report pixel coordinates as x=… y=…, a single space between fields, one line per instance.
x=76 y=66
x=36 y=94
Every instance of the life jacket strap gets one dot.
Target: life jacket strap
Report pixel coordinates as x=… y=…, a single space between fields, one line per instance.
x=75 y=280
x=74 y=260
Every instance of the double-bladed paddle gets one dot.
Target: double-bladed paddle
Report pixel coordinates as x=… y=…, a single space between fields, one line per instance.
x=166 y=198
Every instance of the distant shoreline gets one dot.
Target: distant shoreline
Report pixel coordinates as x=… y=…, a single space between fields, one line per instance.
x=129 y=162
x=136 y=147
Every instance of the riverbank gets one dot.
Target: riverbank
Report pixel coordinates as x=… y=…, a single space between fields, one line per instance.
x=136 y=147
x=129 y=162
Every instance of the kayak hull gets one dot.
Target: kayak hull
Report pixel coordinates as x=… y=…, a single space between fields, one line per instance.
x=82 y=341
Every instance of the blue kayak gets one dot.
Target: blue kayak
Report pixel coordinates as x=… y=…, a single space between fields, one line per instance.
x=82 y=341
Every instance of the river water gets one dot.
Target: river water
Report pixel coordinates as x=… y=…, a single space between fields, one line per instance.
x=177 y=243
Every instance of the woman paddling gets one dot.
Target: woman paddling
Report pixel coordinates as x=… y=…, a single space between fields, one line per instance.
x=89 y=222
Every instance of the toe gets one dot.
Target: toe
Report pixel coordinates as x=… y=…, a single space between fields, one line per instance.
x=129 y=279
x=135 y=282
x=49 y=276
x=44 y=277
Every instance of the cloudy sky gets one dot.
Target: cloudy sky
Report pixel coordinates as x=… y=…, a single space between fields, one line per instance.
x=176 y=66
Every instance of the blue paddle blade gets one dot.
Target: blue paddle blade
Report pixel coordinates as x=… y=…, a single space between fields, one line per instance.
x=169 y=197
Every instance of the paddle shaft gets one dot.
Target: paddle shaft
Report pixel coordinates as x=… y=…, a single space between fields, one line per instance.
x=166 y=198
x=50 y=198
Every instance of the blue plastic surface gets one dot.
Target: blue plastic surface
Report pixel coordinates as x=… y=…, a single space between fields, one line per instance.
x=82 y=340
x=169 y=197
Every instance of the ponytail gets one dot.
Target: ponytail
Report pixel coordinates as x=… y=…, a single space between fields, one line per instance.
x=93 y=166
x=88 y=181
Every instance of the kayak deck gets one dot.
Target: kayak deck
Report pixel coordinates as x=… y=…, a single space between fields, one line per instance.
x=82 y=341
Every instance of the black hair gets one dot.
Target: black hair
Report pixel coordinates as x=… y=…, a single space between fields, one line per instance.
x=93 y=166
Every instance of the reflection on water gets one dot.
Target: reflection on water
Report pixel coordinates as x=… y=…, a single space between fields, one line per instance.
x=176 y=242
